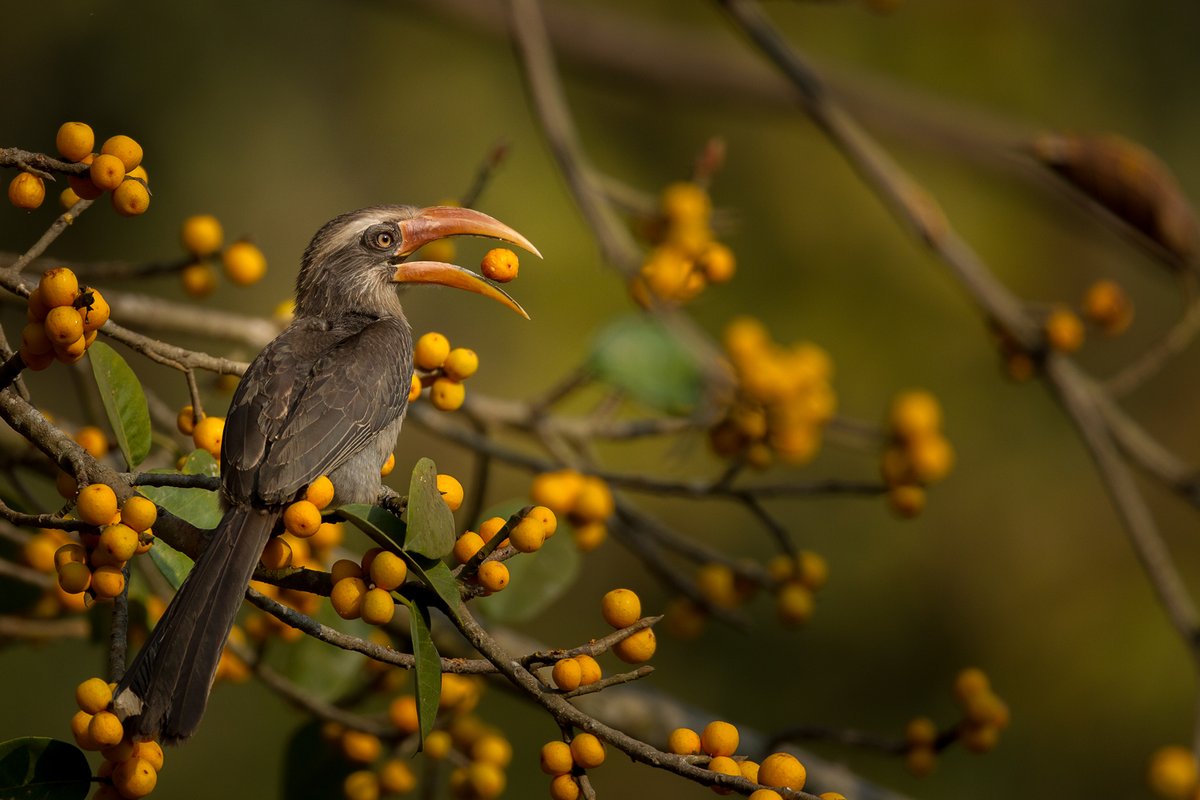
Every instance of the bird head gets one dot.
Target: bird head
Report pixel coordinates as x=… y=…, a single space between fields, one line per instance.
x=355 y=260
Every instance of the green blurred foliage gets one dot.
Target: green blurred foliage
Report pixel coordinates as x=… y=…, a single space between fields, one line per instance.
x=277 y=116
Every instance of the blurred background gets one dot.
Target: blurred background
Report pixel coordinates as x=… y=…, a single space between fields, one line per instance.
x=277 y=116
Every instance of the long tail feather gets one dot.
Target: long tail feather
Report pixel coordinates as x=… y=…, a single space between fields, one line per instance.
x=165 y=690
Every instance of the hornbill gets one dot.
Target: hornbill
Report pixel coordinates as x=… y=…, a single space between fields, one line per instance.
x=326 y=397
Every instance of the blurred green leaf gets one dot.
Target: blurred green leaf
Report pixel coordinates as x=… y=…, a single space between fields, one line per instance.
x=322 y=671
x=537 y=579
x=200 y=507
x=430 y=523
x=381 y=525
x=312 y=770
x=124 y=402
x=173 y=564
x=428 y=667
x=638 y=355
x=35 y=768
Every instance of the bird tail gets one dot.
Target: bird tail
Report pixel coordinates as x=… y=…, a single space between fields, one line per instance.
x=165 y=690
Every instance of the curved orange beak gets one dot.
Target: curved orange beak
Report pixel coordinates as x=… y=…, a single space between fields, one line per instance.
x=438 y=222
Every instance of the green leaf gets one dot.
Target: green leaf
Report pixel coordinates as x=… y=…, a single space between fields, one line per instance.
x=312 y=770
x=173 y=564
x=436 y=575
x=34 y=768
x=638 y=355
x=322 y=671
x=537 y=579
x=428 y=668
x=384 y=527
x=124 y=402
x=430 y=523
x=200 y=507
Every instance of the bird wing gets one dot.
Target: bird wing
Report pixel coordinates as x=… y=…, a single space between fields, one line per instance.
x=311 y=400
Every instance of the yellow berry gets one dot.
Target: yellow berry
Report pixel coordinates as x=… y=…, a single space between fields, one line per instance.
x=244 y=263
x=388 y=570
x=594 y=503
x=794 y=603
x=396 y=776
x=556 y=758
x=64 y=325
x=447 y=394
x=767 y=794
x=151 y=752
x=979 y=738
x=106 y=172
x=485 y=780
x=344 y=568
x=437 y=745
x=42 y=552
x=388 y=465
x=199 y=280
x=26 y=190
x=717 y=263
x=430 y=351
x=621 y=608
x=35 y=341
x=590 y=535
x=546 y=517
x=567 y=674
x=139 y=513
x=467 y=546
x=1173 y=772
x=587 y=751
x=1064 y=331
x=451 y=490
x=302 y=518
x=93 y=695
x=362 y=784
x=403 y=714
x=461 y=364
x=124 y=148
x=783 y=770
x=825 y=795
x=105 y=729
x=492 y=749
x=276 y=554
x=493 y=576
x=528 y=535
x=500 y=265
x=122 y=751
x=97 y=504
x=811 y=569
x=1107 y=305
x=74 y=577
x=685 y=202
x=72 y=352
x=135 y=778
x=589 y=670
x=414 y=389
x=67 y=198
x=131 y=198
x=140 y=173
x=91 y=439
x=360 y=747
x=637 y=648
x=683 y=742
x=716 y=583
x=490 y=527
x=920 y=732
x=207 y=435
x=320 y=492
x=347 y=597
x=557 y=490
x=970 y=682
x=201 y=235
x=75 y=140
x=564 y=787
x=749 y=770
x=119 y=541
x=725 y=766
x=80 y=723
x=185 y=420
x=108 y=582
x=719 y=739
x=906 y=501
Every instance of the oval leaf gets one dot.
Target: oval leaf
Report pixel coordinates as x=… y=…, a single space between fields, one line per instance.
x=384 y=527
x=537 y=579
x=173 y=564
x=35 y=768
x=638 y=355
x=124 y=402
x=436 y=575
x=200 y=507
x=428 y=667
x=430 y=523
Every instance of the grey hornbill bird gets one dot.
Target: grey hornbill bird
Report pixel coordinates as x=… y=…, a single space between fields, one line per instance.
x=326 y=397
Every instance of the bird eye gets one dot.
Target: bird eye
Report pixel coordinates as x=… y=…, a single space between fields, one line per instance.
x=381 y=237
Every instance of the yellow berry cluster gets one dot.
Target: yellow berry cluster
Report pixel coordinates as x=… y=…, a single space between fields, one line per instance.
x=443 y=369
x=586 y=501
x=1173 y=773
x=130 y=769
x=784 y=398
x=917 y=454
x=565 y=761
x=719 y=741
x=312 y=552
x=685 y=257
x=117 y=168
x=206 y=432
x=95 y=564
x=984 y=716
x=63 y=318
x=620 y=609
x=526 y=536
x=202 y=237
x=364 y=589
x=571 y=673
x=797 y=579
